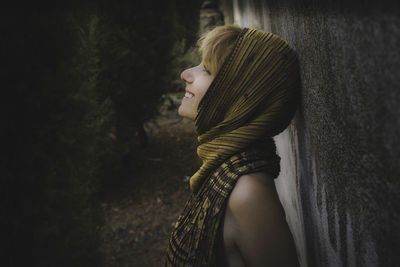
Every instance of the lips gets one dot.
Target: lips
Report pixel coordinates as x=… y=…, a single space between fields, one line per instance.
x=188 y=95
x=187 y=91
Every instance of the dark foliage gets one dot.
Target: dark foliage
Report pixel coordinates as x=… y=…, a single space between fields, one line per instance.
x=78 y=81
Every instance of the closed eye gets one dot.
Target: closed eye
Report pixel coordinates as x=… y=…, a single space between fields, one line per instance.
x=206 y=70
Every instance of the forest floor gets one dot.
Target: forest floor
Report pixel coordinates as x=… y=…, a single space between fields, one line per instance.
x=140 y=212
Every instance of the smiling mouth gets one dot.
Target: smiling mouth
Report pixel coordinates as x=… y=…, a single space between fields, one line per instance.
x=189 y=95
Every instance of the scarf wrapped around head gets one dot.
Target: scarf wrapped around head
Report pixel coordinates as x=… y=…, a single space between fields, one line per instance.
x=252 y=98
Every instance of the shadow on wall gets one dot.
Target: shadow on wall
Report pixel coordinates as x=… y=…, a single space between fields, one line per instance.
x=340 y=156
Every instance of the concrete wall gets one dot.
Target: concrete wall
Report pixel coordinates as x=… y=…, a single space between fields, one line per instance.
x=341 y=154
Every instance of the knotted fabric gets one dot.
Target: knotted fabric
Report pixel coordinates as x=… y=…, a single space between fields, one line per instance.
x=253 y=97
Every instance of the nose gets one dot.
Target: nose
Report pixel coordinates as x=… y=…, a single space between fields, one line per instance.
x=187 y=76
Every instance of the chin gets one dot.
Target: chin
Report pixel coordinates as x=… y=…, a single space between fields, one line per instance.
x=180 y=112
x=183 y=113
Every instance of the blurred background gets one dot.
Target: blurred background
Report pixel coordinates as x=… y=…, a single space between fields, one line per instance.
x=95 y=158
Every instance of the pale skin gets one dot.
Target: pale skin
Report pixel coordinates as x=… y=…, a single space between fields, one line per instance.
x=197 y=79
x=255 y=231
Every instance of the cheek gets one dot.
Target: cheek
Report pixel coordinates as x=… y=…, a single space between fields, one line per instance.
x=198 y=100
x=203 y=92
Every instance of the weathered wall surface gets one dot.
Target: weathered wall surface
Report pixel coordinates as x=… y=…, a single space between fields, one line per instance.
x=210 y=16
x=341 y=154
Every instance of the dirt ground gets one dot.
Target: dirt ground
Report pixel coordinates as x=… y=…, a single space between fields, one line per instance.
x=139 y=216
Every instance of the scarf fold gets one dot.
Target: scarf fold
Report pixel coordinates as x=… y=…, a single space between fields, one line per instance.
x=253 y=96
x=193 y=241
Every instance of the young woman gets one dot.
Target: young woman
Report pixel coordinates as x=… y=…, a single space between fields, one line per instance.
x=243 y=93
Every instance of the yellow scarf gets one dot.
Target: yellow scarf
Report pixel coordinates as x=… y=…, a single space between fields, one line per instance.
x=253 y=97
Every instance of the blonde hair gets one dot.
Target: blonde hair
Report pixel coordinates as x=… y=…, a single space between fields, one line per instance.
x=216 y=45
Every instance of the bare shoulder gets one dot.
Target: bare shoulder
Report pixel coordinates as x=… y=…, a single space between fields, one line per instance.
x=257 y=223
x=254 y=190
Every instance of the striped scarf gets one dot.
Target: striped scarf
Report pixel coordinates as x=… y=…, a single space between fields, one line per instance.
x=254 y=95
x=193 y=242
x=252 y=98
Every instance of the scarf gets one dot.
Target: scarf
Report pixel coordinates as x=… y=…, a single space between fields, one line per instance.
x=193 y=242
x=252 y=98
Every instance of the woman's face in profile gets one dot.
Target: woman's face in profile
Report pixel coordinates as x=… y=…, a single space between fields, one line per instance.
x=197 y=80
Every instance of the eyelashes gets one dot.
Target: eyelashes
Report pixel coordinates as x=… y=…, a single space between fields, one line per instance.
x=206 y=70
